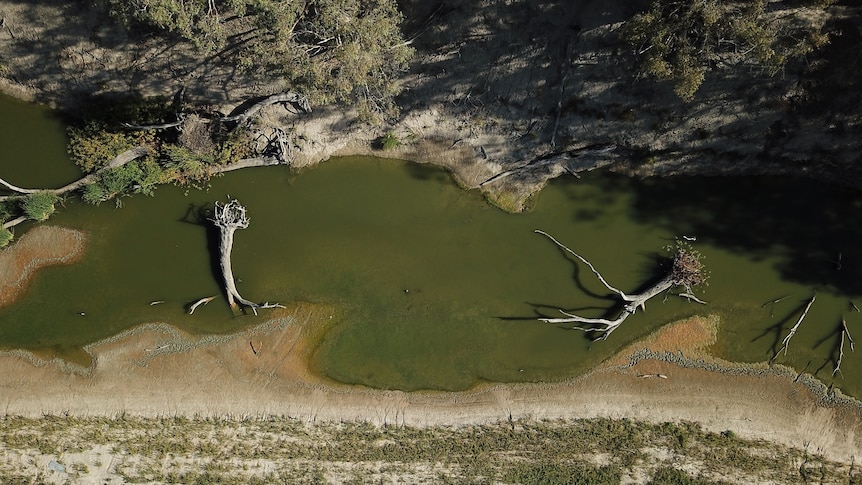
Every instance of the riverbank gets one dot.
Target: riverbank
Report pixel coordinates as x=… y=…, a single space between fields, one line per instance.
x=487 y=94
x=157 y=371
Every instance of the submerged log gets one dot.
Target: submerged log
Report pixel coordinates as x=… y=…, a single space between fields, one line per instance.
x=203 y=301
x=686 y=271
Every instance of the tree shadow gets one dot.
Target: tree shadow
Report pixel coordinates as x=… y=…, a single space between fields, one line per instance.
x=802 y=225
x=837 y=337
x=656 y=269
x=778 y=329
x=200 y=215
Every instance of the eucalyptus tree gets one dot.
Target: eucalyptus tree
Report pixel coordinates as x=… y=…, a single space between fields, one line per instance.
x=682 y=40
x=331 y=50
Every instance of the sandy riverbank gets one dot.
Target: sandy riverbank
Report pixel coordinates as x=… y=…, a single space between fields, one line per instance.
x=157 y=370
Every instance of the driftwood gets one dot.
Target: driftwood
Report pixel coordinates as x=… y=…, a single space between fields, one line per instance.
x=773 y=302
x=203 y=301
x=572 y=161
x=849 y=337
x=840 y=354
x=786 y=341
x=163 y=126
x=686 y=271
x=228 y=218
x=295 y=99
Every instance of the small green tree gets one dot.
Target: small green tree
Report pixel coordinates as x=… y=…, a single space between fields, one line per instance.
x=39 y=206
x=682 y=40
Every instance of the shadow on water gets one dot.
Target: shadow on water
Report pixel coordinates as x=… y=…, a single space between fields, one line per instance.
x=200 y=215
x=837 y=337
x=779 y=329
x=808 y=225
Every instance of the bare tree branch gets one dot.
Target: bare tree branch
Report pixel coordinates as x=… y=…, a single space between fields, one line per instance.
x=793 y=330
x=687 y=271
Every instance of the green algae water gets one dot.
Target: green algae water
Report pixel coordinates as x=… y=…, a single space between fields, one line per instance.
x=435 y=289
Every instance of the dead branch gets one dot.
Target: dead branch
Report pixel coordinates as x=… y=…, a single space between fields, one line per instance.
x=15 y=222
x=773 y=302
x=793 y=330
x=567 y=64
x=202 y=301
x=245 y=163
x=181 y=118
x=687 y=271
x=295 y=99
x=583 y=260
x=849 y=337
x=840 y=354
x=118 y=161
x=572 y=161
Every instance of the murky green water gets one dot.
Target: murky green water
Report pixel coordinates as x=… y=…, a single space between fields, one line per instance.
x=436 y=289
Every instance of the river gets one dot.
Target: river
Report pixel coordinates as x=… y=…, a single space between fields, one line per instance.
x=433 y=288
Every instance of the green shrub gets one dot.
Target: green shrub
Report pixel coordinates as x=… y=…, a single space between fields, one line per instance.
x=93 y=145
x=6 y=237
x=389 y=141
x=39 y=206
x=139 y=177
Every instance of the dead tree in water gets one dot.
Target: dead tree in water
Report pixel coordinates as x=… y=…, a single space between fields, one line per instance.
x=228 y=218
x=687 y=271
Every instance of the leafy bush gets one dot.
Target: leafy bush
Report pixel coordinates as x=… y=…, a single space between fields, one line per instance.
x=140 y=176
x=186 y=166
x=39 y=206
x=6 y=237
x=389 y=141
x=94 y=145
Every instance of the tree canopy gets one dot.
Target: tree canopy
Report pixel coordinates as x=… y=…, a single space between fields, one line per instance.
x=332 y=50
x=681 y=40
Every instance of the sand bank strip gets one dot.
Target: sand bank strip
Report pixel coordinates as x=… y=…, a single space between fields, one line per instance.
x=157 y=370
x=40 y=247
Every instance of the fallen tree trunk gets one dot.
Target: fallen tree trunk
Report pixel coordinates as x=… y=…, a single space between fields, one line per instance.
x=296 y=99
x=573 y=161
x=118 y=161
x=686 y=271
x=228 y=218
x=246 y=163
